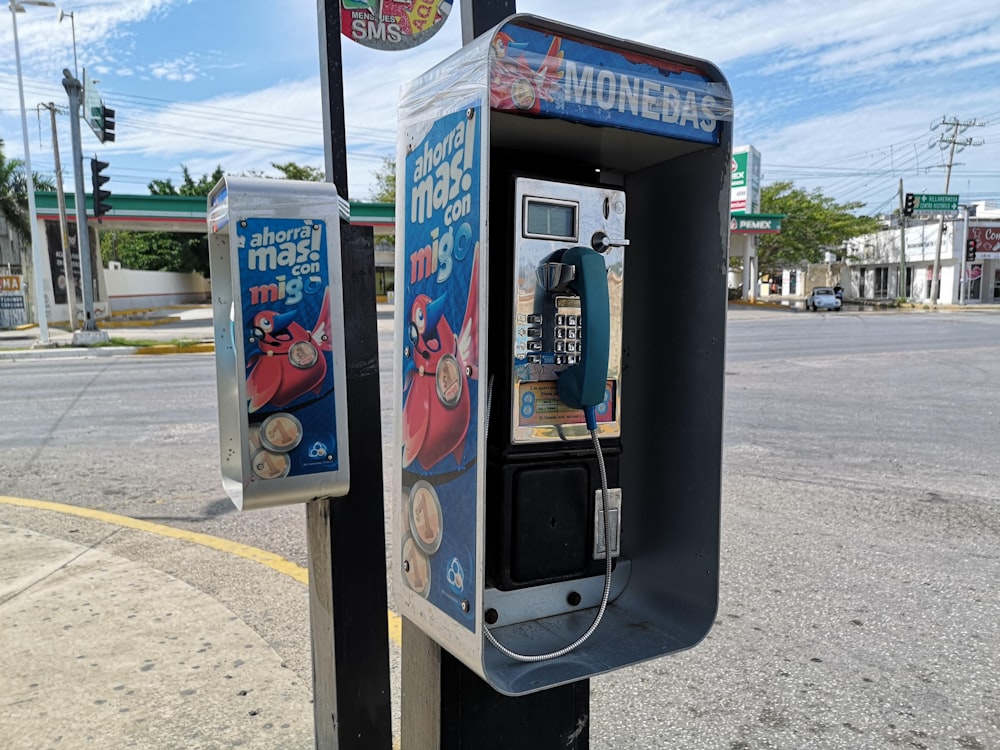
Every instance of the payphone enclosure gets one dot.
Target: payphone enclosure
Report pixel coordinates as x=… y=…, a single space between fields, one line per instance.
x=535 y=143
x=278 y=312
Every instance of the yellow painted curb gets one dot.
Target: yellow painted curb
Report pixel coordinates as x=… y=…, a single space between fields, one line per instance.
x=149 y=323
x=268 y=559
x=175 y=349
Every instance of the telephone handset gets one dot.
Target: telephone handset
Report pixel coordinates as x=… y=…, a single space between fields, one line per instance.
x=582 y=385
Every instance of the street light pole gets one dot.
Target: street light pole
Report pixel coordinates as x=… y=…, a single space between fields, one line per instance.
x=72 y=21
x=17 y=6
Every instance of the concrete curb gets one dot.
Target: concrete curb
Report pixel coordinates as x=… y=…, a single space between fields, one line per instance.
x=58 y=352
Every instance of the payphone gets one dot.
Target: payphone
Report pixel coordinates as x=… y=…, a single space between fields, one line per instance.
x=560 y=311
x=278 y=311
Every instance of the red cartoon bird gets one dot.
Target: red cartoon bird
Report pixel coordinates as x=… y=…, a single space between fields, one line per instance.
x=287 y=360
x=514 y=83
x=437 y=405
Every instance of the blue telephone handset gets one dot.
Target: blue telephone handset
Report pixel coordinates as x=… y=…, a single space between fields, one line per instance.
x=583 y=385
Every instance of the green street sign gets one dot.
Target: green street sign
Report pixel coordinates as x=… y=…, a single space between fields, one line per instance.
x=934 y=204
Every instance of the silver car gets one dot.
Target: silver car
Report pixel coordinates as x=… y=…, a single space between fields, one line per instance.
x=822 y=298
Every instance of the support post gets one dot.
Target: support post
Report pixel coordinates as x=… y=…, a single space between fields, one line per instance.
x=348 y=601
x=75 y=90
x=902 y=243
x=479 y=16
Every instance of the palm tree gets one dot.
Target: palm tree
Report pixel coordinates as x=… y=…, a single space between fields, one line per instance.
x=14 y=193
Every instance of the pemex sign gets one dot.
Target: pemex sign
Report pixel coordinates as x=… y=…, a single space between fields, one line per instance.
x=755 y=223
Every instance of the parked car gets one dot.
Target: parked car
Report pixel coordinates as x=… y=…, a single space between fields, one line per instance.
x=822 y=298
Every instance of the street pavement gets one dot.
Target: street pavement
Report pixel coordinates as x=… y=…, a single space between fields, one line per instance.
x=100 y=650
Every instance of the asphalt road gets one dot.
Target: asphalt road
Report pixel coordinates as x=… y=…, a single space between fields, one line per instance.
x=861 y=520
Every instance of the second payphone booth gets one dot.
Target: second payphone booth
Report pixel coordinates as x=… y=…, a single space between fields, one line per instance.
x=562 y=233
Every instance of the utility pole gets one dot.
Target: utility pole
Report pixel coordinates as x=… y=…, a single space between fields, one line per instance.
x=63 y=222
x=954 y=143
x=901 y=292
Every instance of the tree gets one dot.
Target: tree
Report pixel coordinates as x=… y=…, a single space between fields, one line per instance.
x=190 y=186
x=813 y=223
x=386 y=179
x=159 y=251
x=293 y=171
x=14 y=193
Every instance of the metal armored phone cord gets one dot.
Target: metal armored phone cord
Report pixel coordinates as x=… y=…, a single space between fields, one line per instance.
x=591 y=416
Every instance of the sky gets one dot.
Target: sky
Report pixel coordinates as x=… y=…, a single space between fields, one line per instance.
x=847 y=97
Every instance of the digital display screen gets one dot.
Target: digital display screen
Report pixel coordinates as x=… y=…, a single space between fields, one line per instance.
x=549 y=219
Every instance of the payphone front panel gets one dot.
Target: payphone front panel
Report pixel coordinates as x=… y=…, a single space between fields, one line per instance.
x=548 y=327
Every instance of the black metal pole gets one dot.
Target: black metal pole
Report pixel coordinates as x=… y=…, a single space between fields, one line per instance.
x=348 y=601
x=479 y=16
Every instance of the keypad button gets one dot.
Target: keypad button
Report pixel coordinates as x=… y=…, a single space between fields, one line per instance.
x=534 y=319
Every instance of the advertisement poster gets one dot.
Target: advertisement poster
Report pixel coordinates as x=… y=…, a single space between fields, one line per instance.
x=439 y=412
x=60 y=276
x=540 y=74
x=987 y=241
x=13 y=308
x=287 y=345
x=392 y=24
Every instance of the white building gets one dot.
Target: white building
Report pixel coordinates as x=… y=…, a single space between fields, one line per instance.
x=873 y=261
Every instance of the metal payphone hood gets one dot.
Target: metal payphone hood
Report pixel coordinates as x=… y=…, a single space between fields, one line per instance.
x=536 y=67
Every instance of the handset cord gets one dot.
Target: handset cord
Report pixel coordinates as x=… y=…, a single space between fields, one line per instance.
x=606 y=594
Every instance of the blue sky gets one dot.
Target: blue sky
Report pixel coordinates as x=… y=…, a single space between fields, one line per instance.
x=836 y=96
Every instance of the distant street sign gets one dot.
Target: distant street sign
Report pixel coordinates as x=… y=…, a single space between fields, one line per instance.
x=927 y=203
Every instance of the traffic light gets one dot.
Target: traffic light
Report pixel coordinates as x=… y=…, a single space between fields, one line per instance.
x=102 y=121
x=908 y=205
x=101 y=206
x=970 y=249
x=107 y=124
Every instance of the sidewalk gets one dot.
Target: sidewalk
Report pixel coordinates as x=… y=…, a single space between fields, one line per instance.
x=104 y=651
